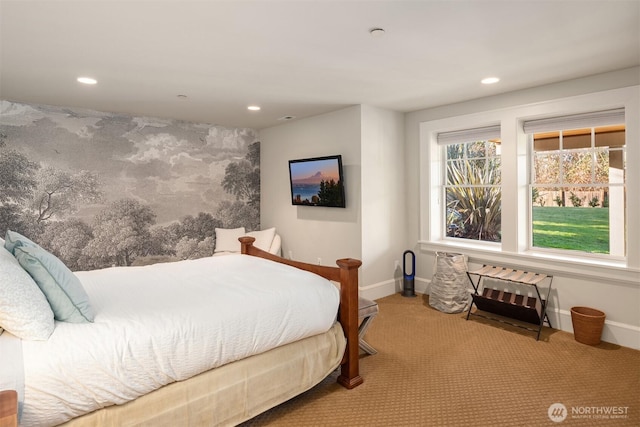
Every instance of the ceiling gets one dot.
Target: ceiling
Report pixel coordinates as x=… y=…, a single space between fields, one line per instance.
x=300 y=58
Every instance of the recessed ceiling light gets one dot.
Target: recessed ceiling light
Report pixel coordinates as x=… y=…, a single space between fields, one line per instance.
x=253 y=108
x=376 y=32
x=87 y=80
x=287 y=118
x=181 y=96
x=489 y=80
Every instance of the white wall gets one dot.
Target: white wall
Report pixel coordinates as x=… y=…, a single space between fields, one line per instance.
x=383 y=199
x=372 y=227
x=382 y=174
x=309 y=233
x=618 y=299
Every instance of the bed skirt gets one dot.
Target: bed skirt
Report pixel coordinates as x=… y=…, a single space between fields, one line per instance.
x=233 y=393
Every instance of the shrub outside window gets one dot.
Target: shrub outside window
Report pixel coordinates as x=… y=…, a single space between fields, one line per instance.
x=472 y=190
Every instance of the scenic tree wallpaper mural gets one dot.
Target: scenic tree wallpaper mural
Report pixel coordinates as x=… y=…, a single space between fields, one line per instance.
x=104 y=189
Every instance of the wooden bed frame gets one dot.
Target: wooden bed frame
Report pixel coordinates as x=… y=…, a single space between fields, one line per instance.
x=8 y=408
x=347 y=275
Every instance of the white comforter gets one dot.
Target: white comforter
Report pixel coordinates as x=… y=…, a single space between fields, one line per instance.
x=167 y=322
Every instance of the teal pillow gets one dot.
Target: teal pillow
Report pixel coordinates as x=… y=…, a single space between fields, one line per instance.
x=13 y=239
x=67 y=298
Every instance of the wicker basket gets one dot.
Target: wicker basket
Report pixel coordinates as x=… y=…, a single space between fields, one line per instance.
x=587 y=324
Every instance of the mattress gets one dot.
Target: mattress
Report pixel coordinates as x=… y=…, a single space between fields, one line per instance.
x=233 y=393
x=159 y=324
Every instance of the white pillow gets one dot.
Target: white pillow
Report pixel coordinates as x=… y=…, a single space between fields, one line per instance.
x=63 y=290
x=263 y=238
x=24 y=310
x=227 y=239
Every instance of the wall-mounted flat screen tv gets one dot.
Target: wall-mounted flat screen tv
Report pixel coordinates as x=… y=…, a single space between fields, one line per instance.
x=317 y=182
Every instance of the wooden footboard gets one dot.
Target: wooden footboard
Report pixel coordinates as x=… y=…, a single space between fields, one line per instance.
x=8 y=408
x=347 y=275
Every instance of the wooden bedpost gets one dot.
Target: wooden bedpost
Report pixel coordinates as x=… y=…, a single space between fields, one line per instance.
x=347 y=275
x=8 y=408
x=350 y=373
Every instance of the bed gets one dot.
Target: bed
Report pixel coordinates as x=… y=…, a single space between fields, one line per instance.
x=199 y=382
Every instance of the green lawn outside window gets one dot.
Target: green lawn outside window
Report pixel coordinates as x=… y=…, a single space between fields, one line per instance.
x=574 y=228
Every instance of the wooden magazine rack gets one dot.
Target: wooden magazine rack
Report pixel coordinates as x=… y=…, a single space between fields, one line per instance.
x=512 y=305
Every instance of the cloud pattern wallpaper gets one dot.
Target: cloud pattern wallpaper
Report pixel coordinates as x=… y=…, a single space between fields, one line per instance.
x=103 y=189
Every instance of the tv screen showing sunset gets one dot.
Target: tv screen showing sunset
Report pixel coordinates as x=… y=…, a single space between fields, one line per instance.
x=317 y=182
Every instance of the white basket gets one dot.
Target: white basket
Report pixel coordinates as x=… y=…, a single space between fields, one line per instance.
x=448 y=291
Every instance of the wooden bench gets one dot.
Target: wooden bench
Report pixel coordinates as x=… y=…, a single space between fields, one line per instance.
x=367 y=310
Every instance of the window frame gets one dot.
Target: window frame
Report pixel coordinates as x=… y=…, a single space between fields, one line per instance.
x=466 y=160
x=562 y=184
x=515 y=250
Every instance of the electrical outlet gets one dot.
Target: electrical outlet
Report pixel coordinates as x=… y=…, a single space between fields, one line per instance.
x=319 y=260
x=396 y=265
x=291 y=255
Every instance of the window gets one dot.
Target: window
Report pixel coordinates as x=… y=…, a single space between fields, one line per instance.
x=542 y=154
x=578 y=184
x=472 y=190
x=471 y=183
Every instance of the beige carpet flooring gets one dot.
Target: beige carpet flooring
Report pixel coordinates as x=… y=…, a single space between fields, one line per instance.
x=436 y=369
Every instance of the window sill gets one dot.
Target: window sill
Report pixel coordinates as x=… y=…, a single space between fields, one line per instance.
x=565 y=266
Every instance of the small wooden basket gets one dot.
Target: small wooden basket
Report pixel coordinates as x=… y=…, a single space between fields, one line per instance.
x=587 y=324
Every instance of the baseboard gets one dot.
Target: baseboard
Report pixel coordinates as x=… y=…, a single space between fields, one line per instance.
x=614 y=332
x=390 y=287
